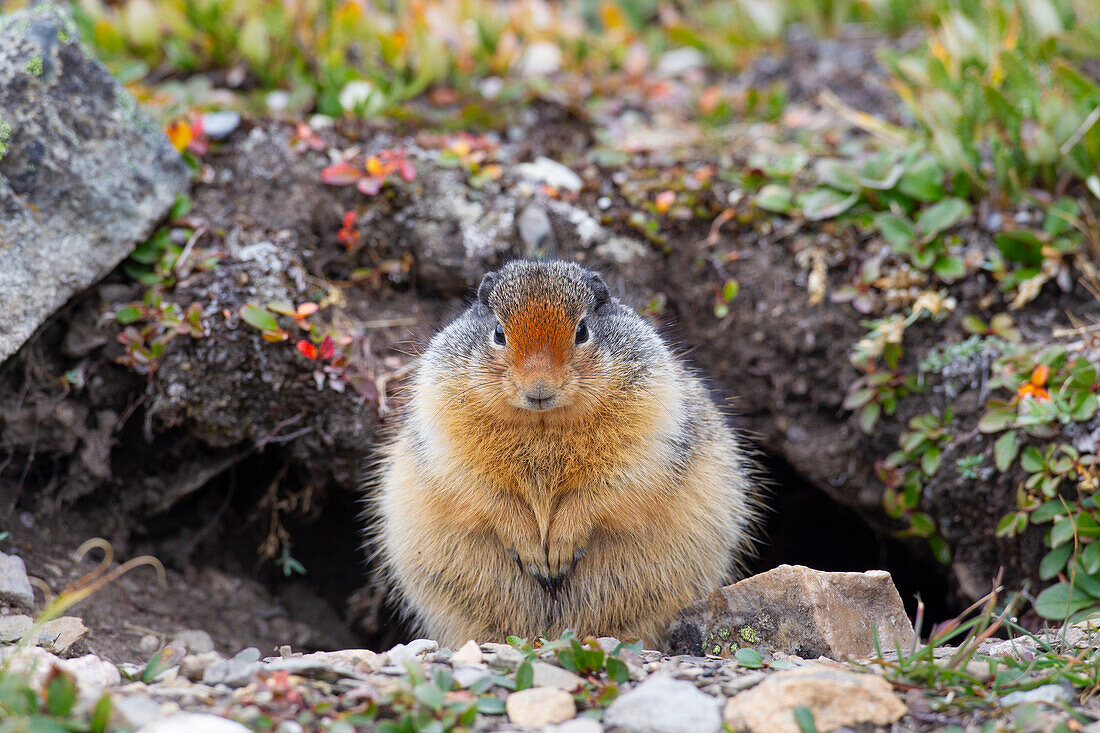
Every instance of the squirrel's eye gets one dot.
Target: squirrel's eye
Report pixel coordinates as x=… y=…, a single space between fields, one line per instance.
x=582 y=332
x=498 y=335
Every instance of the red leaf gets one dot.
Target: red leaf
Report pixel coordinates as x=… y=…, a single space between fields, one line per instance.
x=349 y=219
x=407 y=171
x=341 y=174
x=307 y=349
x=370 y=186
x=327 y=349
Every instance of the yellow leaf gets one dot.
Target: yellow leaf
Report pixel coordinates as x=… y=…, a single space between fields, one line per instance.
x=180 y=134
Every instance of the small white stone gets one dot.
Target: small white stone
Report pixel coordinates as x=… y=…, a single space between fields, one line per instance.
x=193 y=723
x=540 y=59
x=469 y=653
x=552 y=173
x=540 y=706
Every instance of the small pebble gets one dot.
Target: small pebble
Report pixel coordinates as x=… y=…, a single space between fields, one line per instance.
x=220 y=125
x=469 y=653
x=540 y=706
x=604 y=202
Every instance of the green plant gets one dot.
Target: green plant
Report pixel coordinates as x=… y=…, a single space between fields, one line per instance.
x=997 y=91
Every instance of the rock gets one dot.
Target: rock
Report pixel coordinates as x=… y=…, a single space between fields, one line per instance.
x=220 y=125
x=410 y=652
x=550 y=173
x=80 y=183
x=1049 y=694
x=550 y=675
x=63 y=636
x=235 y=672
x=192 y=641
x=350 y=660
x=13 y=627
x=664 y=705
x=15 y=587
x=679 y=61
x=535 y=231
x=134 y=711
x=501 y=655
x=796 y=610
x=836 y=697
x=540 y=706
x=193 y=666
x=469 y=653
x=466 y=676
x=193 y=723
x=541 y=58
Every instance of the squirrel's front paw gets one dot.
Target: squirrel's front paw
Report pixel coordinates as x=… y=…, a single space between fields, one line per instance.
x=548 y=565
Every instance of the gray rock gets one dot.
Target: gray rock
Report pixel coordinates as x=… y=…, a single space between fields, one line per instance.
x=220 y=125
x=1049 y=694
x=664 y=705
x=535 y=231
x=193 y=723
x=796 y=610
x=192 y=641
x=550 y=675
x=410 y=652
x=193 y=666
x=235 y=672
x=63 y=636
x=466 y=676
x=135 y=711
x=551 y=173
x=15 y=587
x=13 y=627
x=84 y=174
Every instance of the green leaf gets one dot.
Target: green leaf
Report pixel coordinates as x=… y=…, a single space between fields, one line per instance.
x=128 y=314
x=1090 y=558
x=775 y=198
x=1005 y=450
x=489 y=705
x=826 y=203
x=949 y=268
x=897 y=230
x=258 y=317
x=837 y=174
x=1059 y=601
x=923 y=181
x=1032 y=460
x=101 y=715
x=525 y=675
x=430 y=695
x=1021 y=246
x=930 y=461
x=61 y=695
x=804 y=719
x=868 y=416
x=997 y=419
x=922 y=524
x=1053 y=562
x=617 y=670
x=941 y=216
x=1061 y=532
x=749 y=658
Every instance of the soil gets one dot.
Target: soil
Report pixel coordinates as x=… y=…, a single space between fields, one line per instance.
x=233 y=449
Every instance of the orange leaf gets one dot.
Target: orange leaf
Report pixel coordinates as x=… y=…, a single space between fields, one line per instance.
x=275 y=336
x=665 y=200
x=1040 y=375
x=305 y=310
x=306 y=349
x=374 y=167
x=341 y=174
x=180 y=134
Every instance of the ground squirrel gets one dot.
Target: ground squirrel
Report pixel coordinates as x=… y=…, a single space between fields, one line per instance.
x=557 y=467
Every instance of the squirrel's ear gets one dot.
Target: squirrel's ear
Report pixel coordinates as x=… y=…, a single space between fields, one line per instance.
x=486 y=288
x=598 y=288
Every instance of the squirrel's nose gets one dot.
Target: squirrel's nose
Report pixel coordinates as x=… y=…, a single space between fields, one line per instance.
x=540 y=396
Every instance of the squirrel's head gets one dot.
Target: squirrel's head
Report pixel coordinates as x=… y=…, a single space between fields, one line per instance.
x=542 y=330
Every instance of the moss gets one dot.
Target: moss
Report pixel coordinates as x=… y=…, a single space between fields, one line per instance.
x=749 y=634
x=63 y=35
x=34 y=66
x=5 y=135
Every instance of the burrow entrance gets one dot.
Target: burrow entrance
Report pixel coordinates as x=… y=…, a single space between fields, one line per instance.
x=803 y=526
